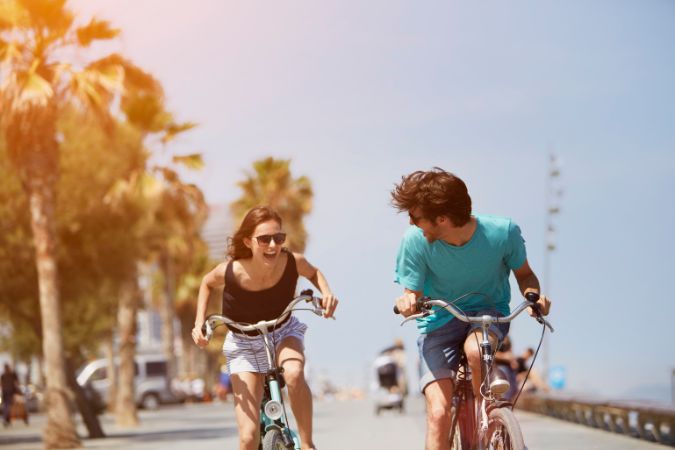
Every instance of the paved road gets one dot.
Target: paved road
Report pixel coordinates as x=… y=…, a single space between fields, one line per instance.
x=338 y=425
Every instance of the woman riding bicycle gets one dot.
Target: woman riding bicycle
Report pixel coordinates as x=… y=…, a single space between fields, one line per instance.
x=259 y=281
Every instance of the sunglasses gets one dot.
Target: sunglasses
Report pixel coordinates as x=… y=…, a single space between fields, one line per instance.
x=265 y=239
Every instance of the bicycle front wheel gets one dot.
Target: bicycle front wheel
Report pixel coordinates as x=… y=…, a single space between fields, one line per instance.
x=503 y=431
x=273 y=440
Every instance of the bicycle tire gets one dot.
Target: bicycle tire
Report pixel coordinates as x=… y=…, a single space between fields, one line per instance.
x=503 y=431
x=273 y=440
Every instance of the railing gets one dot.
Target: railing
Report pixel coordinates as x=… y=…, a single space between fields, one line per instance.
x=640 y=420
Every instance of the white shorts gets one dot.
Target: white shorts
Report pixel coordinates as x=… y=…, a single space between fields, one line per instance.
x=246 y=353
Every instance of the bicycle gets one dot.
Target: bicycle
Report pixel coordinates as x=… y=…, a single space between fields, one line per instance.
x=275 y=432
x=493 y=426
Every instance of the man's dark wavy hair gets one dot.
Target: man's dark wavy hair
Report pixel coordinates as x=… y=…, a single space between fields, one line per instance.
x=436 y=193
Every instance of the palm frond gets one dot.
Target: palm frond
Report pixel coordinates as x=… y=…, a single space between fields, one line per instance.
x=51 y=15
x=96 y=30
x=13 y=15
x=174 y=129
x=135 y=79
x=192 y=161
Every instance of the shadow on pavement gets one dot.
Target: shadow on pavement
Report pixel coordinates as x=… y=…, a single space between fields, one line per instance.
x=176 y=435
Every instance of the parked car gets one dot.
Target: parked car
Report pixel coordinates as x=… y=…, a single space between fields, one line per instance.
x=152 y=386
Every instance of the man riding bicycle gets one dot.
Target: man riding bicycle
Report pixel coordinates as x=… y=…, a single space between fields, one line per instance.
x=448 y=253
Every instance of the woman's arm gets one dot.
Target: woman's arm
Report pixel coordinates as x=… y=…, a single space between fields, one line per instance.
x=213 y=279
x=328 y=301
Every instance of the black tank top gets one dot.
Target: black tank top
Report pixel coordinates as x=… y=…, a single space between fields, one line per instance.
x=246 y=306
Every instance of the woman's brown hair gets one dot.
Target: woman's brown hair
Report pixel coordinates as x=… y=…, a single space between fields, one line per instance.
x=260 y=214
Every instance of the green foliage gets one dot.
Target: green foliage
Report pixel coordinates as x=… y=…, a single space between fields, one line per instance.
x=18 y=277
x=59 y=116
x=97 y=244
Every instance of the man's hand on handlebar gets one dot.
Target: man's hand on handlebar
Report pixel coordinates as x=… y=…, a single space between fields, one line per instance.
x=199 y=337
x=542 y=305
x=406 y=303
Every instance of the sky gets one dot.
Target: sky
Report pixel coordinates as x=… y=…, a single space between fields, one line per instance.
x=358 y=94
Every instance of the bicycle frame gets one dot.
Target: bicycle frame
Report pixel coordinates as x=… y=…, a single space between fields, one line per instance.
x=272 y=409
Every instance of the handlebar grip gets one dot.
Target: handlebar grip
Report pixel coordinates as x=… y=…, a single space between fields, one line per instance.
x=532 y=297
x=204 y=329
x=396 y=311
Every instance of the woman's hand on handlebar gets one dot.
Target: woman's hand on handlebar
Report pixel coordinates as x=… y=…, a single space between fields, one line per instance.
x=329 y=302
x=199 y=337
x=406 y=303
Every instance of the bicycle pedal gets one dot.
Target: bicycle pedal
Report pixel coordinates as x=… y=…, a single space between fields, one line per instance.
x=499 y=386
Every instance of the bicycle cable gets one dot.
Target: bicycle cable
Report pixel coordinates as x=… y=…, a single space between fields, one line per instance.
x=534 y=359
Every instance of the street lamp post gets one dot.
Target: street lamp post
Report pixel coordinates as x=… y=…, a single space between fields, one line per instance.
x=553 y=194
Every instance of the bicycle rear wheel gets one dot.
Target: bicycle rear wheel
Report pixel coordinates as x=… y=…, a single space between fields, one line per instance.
x=503 y=431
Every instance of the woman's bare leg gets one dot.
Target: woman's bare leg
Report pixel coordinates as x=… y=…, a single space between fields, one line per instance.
x=247 y=389
x=291 y=357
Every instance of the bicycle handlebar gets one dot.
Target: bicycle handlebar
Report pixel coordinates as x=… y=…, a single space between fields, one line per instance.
x=215 y=320
x=424 y=304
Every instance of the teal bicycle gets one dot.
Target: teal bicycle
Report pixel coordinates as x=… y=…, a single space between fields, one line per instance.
x=275 y=432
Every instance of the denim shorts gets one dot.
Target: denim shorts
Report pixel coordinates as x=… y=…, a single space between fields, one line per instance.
x=440 y=350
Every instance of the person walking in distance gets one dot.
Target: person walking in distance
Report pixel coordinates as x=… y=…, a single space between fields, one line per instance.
x=446 y=253
x=10 y=387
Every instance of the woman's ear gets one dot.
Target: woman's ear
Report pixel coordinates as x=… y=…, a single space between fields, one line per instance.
x=248 y=242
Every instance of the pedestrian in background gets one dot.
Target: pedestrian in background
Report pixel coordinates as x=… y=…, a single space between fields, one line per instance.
x=10 y=387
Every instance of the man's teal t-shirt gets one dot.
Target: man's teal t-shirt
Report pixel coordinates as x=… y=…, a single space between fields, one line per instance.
x=445 y=271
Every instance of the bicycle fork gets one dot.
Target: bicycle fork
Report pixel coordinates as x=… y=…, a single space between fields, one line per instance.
x=486 y=365
x=273 y=410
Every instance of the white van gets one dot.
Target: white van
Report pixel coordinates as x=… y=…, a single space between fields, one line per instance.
x=152 y=385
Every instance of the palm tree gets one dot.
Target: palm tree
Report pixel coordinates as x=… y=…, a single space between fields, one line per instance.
x=272 y=183
x=36 y=88
x=176 y=241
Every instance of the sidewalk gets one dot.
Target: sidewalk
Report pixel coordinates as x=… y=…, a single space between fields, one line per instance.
x=210 y=425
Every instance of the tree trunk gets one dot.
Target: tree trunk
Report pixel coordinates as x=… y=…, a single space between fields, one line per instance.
x=59 y=431
x=88 y=410
x=167 y=314
x=112 y=373
x=187 y=345
x=125 y=407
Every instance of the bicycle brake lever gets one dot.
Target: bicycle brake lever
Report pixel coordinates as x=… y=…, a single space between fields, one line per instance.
x=207 y=330
x=415 y=316
x=545 y=322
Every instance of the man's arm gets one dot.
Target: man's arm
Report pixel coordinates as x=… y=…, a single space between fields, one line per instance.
x=528 y=282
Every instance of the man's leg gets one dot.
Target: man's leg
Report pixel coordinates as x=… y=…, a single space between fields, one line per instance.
x=472 y=350
x=291 y=357
x=438 y=397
